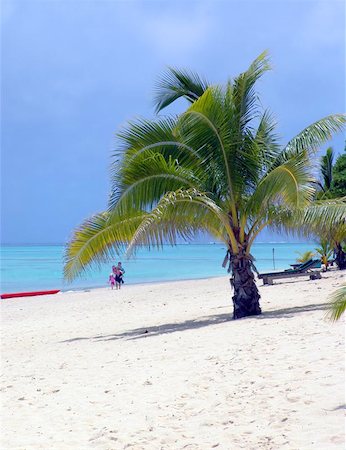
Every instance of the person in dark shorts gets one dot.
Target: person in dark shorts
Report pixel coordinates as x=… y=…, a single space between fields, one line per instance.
x=118 y=272
x=122 y=270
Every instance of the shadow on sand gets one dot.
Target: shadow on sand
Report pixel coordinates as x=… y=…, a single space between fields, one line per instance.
x=202 y=322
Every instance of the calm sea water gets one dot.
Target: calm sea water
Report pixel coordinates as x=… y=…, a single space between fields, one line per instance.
x=35 y=267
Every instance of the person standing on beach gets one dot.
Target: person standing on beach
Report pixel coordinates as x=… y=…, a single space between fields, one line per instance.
x=111 y=280
x=122 y=270
x=118 y=272
x=117 y=275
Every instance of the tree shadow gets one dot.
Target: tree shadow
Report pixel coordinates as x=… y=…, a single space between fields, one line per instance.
x=156 y=330
x=216 y=319
x=338 y=408
x=290 y=312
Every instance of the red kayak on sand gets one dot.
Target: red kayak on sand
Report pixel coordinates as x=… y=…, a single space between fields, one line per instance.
x=29 y=294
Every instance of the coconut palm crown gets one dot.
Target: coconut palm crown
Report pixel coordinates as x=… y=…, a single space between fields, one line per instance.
x=218 y=167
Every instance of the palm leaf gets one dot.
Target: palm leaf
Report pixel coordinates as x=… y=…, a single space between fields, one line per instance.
x=267 y=140
x=324 y=215
x=203 y=126
x=181 y=213
x=313 y=136
x=338 y=304
x=325 y=248
x=244 y=96
x=175 y=84
x=151 y=160
x=289 y=184
x=305 y=256
x=99 y=239
x=327 y=168
x=148 y=178
x=323 y=218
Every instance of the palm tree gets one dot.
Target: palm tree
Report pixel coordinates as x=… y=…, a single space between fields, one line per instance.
x=217 y=167
x=327 y=169
x=325 y=250
x=338 y=187
x=326 y=191
x=305 y=256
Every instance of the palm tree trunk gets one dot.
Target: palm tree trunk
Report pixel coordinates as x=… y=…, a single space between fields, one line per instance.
x=246 y=296
x=340 y=256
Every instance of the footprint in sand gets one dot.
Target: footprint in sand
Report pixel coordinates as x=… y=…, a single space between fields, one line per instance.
x=337 y=439
x=293 y=399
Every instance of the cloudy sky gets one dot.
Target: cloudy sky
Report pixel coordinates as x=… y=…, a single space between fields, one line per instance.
x=73 y=72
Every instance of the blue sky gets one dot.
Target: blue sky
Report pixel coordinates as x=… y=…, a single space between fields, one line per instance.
x=73 y=72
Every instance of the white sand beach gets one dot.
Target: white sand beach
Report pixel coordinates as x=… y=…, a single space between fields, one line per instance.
x=162 y=367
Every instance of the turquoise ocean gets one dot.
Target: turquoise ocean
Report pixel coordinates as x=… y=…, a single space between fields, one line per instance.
x=39 y=267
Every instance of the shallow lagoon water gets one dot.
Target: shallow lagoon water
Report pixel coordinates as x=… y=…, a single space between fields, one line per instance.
x=35 y=267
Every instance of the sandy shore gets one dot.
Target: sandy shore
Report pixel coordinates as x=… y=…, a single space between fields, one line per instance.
x=162 y=367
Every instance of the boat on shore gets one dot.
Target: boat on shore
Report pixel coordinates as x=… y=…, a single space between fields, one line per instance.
x=29 y=294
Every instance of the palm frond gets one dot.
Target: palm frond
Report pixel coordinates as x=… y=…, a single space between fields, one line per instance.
x=337 y=305
x=206 y=125
x=325 y=248
x=203 y=126
x=139 y=135
x=305 y=256
x=142 y=132
x=327 y=168
x=313 y=136
x=267 y=140
x=150 y=151
x=181 y=213
x=325 y=218
x=175 y=84
x=324 y=215
x=289 y=184
x=245 y=99
x=146 y=179
x=99 y=239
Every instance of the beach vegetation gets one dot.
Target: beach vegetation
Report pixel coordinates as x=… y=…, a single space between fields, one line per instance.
x=338 y=185
x=218 y=167
x=326 y=167
x=337 y=305
x=325 y=251
x=305 y=256
x=333 y=185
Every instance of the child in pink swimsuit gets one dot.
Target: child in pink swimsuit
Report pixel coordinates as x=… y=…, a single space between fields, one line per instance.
x=111 y=280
